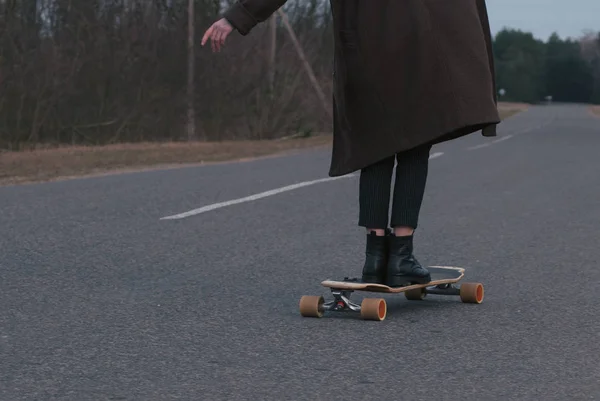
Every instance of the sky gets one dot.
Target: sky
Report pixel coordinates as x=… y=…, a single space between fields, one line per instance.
x=568 y=18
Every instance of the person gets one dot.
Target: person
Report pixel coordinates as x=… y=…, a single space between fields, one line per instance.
x=407 y=75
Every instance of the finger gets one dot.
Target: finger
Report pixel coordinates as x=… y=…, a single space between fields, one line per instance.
x=224 y=37
x=208 y=33
x=213 y=39
x=219 y=39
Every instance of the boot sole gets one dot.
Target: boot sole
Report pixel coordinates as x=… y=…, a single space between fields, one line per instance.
x=405 y=281
x=372 y=280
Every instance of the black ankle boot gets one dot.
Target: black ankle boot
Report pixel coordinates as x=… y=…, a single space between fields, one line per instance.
x=376 y=258
x=403 y=268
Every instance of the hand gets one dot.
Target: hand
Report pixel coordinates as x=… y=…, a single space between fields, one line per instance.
x=217 y=33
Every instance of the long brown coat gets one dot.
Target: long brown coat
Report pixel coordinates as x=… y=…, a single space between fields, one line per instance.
x=406 y=73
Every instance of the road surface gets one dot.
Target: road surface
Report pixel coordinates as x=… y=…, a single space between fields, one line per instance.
x=155 y=286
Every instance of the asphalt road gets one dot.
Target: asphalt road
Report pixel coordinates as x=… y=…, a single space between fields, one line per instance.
x=101 y=299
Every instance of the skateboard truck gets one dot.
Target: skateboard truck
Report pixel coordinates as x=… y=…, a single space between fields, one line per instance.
x=443 y=289
x=341 y=302
x=369 y=309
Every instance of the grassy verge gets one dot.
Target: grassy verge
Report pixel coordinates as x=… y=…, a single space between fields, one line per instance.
x=507 y=109
x=76 y=161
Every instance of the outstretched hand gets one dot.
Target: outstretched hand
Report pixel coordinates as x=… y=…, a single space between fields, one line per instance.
x=217 y=33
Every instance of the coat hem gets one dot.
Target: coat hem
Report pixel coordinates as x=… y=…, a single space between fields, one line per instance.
x=487 y=129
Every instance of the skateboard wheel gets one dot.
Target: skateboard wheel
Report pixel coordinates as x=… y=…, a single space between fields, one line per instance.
x=311 y=306
x=416 y=294
x=471 y=293
x=373 y=309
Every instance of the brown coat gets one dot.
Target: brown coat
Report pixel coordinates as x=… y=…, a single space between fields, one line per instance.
x=405 y=73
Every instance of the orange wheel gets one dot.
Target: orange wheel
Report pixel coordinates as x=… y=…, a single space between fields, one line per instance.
x=311 y=306
x=416 y=294
x=373 y=309
x=471 y=293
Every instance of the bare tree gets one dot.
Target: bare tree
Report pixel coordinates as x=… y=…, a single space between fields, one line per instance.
x=191 y=110
x=98 y=72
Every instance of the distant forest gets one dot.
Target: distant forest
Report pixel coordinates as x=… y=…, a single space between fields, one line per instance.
x=110 y=71
x=529 y=69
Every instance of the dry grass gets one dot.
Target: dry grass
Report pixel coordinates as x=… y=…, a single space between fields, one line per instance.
x=76 y=161
x=595 y=110
x=508 y=109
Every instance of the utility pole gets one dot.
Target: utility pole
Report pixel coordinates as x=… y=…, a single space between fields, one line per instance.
x=191 y=111
x=307 y=67
x=272 y=52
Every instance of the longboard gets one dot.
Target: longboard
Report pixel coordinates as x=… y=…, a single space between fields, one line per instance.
x=442 y=282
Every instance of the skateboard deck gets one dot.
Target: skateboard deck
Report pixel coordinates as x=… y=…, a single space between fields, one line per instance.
x=439 y=275
x=443 y=280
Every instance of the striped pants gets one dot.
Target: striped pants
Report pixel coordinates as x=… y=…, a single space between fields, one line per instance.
x=409 y=187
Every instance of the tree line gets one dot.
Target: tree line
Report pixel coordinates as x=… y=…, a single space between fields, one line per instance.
x=530 y=70
x=108 y=71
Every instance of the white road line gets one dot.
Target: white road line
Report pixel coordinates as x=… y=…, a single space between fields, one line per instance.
x=484 y=145
x=506 y=137
x=251 y=198
x=265 y=194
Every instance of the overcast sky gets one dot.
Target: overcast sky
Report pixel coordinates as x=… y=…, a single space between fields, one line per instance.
x=569 y=18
